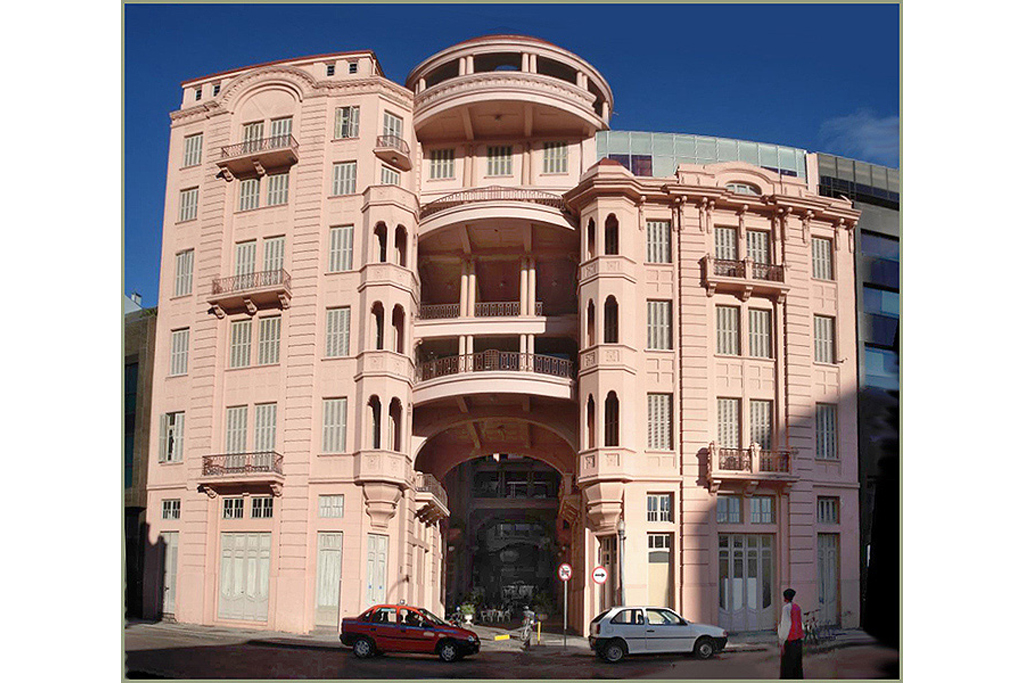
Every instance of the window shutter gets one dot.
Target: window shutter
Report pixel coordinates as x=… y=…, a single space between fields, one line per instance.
x=760 y=333
x=245 y=258
x=273 y=254
x=179 y=352
x=824 y=339
x=335 y=425
x=659 y=248
x=337 y=332
x=277 y=189
x=340 y=258
x=164 y=426
x=757 y=247
x=241 y=344
x=269 y=351
x=725 y=244
x=237 y=419
x=825 y=428
x=761 y=424
x=729 y=422
x=183 y=273
x=821 y=254
x=265 y=428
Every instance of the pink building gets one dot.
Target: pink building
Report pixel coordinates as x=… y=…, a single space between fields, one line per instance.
x=369 y=289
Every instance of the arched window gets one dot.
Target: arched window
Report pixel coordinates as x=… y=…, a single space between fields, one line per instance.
x=591 y=434
x=378 y=325
x=395 y=424
x=591 y=324
x=611 y=235
x=743 y=188
x=400 y=240
x=611 y=321
x=591 y=239
x=398 y=328
x=381 y=233
x=374 y=418
x=611 y=420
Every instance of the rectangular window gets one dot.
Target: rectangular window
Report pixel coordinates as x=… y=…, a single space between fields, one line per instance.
x=729 y=422
x=216 y=89
x=659 y=421
x=335 y=425
x=828 y=510
x=659 y=244
x=392 y=125
x=442 y=164
x=252 y=133
x=881 y=368
x=245 y=258
x=234 y=508
x=825 y=431
x=332 y=506
x=172 y=434
x=725 y=244
x=183 y=261
x=171 y=509
x=281 y=131
x=340 y=257
x=240 y=349
x=277 y=189
x=330 y=69
x=344 y=181
x=760 y=333
x=556 y=157
x=346 y=122
x=262 y=507
x=179 y=352
x=273 y=254
x=353 y=67
x=269 y=352
x=499 y=160
x=762 y=510
x=389 y=176
x=337 y=332
x=728 y=320
x=758 y=250
x=761 y=424
x=659 y=507
x=249 y=194
x=265 y=428
x=188 y=204
x=236 y=422
x=193 y=150
x=199 y=94
x=821 y=258
x=659 y=541
x=659 y=325
x=824 y=339
x=728 y=510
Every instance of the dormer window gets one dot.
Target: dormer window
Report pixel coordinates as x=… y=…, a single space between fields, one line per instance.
x=352 y=67
x=330 y=69
x=216 y=89
x=199 y=94
x=743 y=188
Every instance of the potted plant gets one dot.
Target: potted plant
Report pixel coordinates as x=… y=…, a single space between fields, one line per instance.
x=543 y=606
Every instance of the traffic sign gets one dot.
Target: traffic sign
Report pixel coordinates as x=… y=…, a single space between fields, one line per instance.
x=564 y=572
x=600 y=574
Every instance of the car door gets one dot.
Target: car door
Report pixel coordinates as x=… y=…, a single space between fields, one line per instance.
x=384 y=628
x=668 y=632
x=628 y=624
x=412 y=634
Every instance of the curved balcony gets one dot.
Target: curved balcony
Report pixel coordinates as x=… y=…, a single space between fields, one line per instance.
x=251 y=292
x=262 y=468
x=258 y=156
x=494 y=372
x=490 y=202
x=749 y=467
x=744 y=278
x=393 y=150
x=431 y=497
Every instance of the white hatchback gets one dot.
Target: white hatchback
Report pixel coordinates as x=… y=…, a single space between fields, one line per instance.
x=623 y=631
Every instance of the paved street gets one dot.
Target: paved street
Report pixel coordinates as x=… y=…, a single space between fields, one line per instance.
x=173 y=651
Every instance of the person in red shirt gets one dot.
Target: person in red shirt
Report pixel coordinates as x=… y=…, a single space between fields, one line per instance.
x=791 y=638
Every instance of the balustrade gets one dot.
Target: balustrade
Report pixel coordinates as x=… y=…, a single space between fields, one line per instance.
x=493 y=360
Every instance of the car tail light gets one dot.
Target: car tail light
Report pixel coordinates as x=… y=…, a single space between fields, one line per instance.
x=597 y=630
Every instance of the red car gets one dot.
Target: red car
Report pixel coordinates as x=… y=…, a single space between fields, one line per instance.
x=403 y=628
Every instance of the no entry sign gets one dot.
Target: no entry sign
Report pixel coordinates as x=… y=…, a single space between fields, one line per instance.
x=564 y=572
x=600 y=574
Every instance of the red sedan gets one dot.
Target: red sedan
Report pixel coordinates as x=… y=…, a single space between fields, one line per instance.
x=403 y=628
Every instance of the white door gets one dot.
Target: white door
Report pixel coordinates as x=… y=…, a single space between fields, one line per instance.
x=376 y=569
x=745 y=574
x=170 y=569
x=244 y=576
x=828 y=578
x=328 y=578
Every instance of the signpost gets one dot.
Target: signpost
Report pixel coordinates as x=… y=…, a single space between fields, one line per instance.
x=565 y=573
x=600 y=574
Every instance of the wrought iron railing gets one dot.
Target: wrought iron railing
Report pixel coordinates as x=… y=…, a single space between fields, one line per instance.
x=766 y=271
x=728 y=268
x=487 y=309
x=439 y=311
x=734 y=459
x=393 y=142
x=493 y=360
x=493 y=194
x=256 y=146
x=258 y=280
x=496 y=309
x=538 y=308
x=775 y=461
x=744 y=459
x=428 y=483
x=746 y=269
x=242 y=463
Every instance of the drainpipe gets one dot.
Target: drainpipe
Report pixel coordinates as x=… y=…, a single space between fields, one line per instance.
x=679 y=373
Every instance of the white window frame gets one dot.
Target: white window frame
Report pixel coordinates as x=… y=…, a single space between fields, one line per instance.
x=824 y=339
x=331 y=506
x=236 y=427
x=277 y=189
x=183 y=265
x=188 y=204
x=499 y=161
x=233 y=508
x=179 y=352
x=826 y=430
x=726 y=243
x=252 y=135
x=273 y=253
x=346 y=123
x=249 y=194
x=337 y=334
x=281 y=130
x=659 y=507
x=659 y=541
x=659 y=241
x=245 y=258
x=821 y=259
x=828 y=509
x=759 y=329
x=659 y=325
x=340 y=251
x=343 y=180
x=556 y=157
x=172 y=433
x=392 y=125
x=659 y=421
x=193 y=150
x=170 y=508
x=762 y=509
x=729 y=509
x=269 y=345
x=442 y=164
x=262 y=507
x=389 y=176
x=729 y=423
x=727 y=326
x=762 y=419
x=264 y=428
x=759 y=246
x=335 y=425
x=240 y=344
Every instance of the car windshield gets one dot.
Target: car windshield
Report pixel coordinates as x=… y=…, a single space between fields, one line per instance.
x=431 y=617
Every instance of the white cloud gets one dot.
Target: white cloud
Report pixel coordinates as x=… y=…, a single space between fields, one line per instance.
x=863 y=136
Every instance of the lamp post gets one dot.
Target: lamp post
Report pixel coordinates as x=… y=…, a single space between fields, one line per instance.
x=621 y=528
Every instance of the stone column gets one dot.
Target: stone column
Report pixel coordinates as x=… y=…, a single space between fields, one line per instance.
x=531 y=297
x=467 y=171
x=462 y=66
x=471 y=300
x=525 y=67
x=464 y=290
x=524 y=287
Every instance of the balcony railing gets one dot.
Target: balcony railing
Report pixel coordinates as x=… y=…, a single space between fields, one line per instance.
x=262 y=462
x=739 y=269
x=482 y=309
x=393 y=142
x=439 y=311
x=749 y=466
x=428 y=483
x=493 y=360
x=257 y=280
x=393 y=150
x=496 y=309
x=744 y=277
x=734 y=459
x=766 y=271
x=249 y=147
x=493 y=194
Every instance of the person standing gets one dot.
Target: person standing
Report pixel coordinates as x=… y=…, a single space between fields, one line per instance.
x=791 y=638
x=529 y=619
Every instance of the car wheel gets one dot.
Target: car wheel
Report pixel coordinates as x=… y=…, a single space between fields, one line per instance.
x=704 y=648
x=614 y=651
x=448 y=652
x=363 y=648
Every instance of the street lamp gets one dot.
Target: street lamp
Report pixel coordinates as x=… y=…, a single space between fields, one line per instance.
x=621 y=528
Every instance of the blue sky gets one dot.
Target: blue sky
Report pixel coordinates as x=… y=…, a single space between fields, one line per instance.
x=823 y=78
